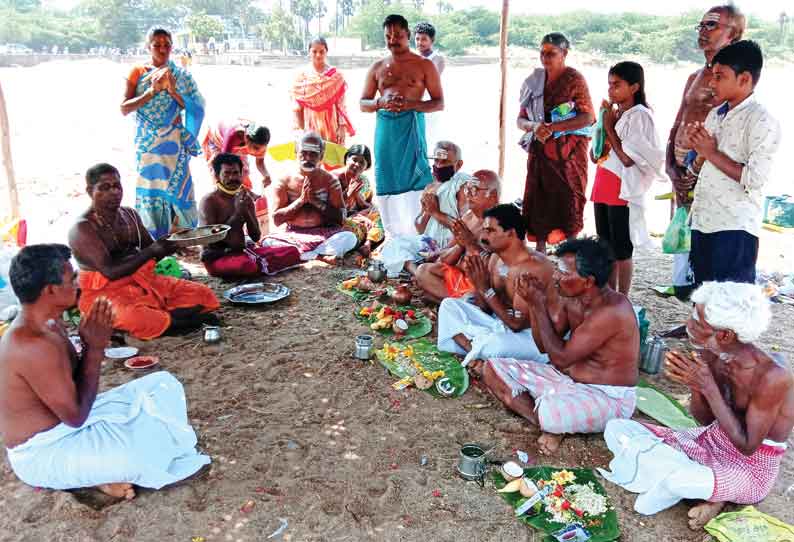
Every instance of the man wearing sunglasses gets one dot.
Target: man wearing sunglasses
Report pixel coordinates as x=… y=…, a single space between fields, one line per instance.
x=720 y=26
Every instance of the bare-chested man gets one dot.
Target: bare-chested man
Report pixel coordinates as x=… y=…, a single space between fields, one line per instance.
x=117 y=258
x=231 y=204
x=591 y=377
x=59 y=433
x=310 y=205
x=401 y=167
x=489 y=326
x=744 y=399
x=445 y=277
x=720 y=26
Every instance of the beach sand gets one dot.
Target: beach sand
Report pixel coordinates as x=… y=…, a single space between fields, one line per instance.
x=292 y=422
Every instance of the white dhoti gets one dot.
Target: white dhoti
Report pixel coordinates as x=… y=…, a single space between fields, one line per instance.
x=137 y=433
x=398 y=212
x=644 y=464
x=489 y=336
x=404 y=248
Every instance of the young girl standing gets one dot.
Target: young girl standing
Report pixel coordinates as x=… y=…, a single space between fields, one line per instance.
x=631 y=160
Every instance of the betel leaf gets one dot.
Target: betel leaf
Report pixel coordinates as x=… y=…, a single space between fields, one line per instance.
x=606 y=530
x=357 y=295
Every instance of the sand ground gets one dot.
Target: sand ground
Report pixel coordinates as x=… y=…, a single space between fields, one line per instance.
x=292 y=422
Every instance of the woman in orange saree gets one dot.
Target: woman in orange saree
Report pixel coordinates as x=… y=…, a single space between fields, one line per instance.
x=318 y=93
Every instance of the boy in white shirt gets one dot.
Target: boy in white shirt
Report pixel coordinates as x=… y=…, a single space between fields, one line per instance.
x=738 y=141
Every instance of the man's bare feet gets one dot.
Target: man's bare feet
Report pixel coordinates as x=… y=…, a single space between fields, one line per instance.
x=703 y=513
x=120 y=490
x=549 y=443
x=329 y=260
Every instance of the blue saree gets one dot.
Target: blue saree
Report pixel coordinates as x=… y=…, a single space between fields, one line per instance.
x=166 y=138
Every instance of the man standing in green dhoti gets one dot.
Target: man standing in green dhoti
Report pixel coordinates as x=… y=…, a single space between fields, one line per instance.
x=401 y=167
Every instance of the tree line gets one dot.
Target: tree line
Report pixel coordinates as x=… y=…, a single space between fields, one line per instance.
x=290 y=24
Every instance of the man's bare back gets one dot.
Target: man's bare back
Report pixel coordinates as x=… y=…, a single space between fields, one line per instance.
x=614 y=363
x=30 y=359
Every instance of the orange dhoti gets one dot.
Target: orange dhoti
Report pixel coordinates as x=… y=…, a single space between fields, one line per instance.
x=142 y=301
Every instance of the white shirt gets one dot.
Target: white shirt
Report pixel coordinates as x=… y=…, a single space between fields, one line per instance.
x=749 y=135
x=640 y=141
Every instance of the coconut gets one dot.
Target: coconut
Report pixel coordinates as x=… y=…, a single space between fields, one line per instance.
x=399 y=327
x=421 y=382
x=512 y=471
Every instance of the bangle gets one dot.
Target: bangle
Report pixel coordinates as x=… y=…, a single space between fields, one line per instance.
x=489 y=293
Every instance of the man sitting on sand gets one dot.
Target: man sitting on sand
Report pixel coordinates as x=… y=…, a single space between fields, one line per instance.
x=234 y=257
x=311 y=207
x=445 y=277
x=489 y=325
x=591 y=377
x=443 y=201
x=744 y=399
x=117 y=256
x=59 y=433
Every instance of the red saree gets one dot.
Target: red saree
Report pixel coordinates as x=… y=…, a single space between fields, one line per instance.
x=554 y=195
x=322 y=98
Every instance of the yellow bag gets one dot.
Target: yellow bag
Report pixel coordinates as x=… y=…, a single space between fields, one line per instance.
x=749 y=524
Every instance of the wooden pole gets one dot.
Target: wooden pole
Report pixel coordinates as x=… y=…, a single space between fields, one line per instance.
x=503 y=87
x=5 y=152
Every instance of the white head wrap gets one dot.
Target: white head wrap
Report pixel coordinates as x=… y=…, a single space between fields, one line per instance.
x=740 y=307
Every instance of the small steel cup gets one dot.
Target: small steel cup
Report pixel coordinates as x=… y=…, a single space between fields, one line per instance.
x=212 y=334
x=363 y=347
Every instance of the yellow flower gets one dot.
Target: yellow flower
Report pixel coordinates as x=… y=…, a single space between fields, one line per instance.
x=563 y=477
x=408 y=352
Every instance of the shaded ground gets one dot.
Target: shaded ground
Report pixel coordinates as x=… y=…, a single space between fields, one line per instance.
x=308 y=434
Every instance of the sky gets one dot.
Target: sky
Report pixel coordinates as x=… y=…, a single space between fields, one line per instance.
x=766 y=9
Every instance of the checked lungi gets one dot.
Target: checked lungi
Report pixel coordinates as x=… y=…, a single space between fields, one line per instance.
x=563 y=405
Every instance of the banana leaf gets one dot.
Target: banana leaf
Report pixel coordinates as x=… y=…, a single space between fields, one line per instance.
x=422 y=327
x=655 y=403
x=433 y=360
x=357 y=295
x=603 y=528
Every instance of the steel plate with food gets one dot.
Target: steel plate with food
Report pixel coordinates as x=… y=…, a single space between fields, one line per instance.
x=258 y=293
x=203 y=235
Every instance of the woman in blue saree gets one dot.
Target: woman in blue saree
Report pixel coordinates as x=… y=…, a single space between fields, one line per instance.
x=169 y=111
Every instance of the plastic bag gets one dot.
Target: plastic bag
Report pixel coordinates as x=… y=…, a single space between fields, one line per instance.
x=599 y=135
x=748 y=524
x=678 y=237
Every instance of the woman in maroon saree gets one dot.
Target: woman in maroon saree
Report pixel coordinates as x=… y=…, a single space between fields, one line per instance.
x=554 y=195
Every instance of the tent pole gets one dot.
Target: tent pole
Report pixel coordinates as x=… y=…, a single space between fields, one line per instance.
x=5 y=152
x=503 y=87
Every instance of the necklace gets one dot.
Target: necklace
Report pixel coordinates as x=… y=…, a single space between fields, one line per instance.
x=111 y=229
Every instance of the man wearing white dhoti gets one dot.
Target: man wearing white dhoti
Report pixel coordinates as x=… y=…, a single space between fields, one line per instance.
x=488 y=324
x=59 y=433
x=442 y=203
x=743 y=398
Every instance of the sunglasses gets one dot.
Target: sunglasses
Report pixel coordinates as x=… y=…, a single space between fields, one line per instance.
x=708 y=25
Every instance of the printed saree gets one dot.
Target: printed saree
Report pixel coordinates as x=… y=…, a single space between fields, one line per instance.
x=166 y=138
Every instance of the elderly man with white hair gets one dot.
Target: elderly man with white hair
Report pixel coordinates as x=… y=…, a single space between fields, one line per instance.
x=744 y=399
x=443 y=201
